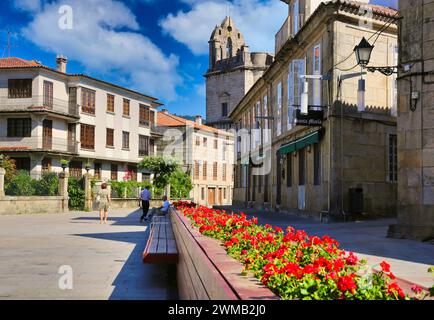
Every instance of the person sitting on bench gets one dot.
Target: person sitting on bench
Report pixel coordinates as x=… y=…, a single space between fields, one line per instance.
x=164 y=209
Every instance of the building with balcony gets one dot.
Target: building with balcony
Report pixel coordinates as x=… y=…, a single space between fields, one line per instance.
x=47 y=115
x=232 y=72
x=206 y=154
x=338 y=156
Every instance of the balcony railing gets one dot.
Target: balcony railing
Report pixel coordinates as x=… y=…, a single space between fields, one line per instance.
x=282 y=35
x=39 y=103
x=38 y=144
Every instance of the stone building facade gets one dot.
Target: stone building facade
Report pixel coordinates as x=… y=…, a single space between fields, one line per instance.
x=48 y=115
x=206 y=154
x=416 y=122
x=232 y=72
x=347 y=164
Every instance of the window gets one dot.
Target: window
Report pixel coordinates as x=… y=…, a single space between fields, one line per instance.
x=151 y=147
x=202 y=193
x=266 y=122
x=205 y=141
x=19 y=88
x=110 y=103
x=302 y=167
x=125 y=140
x=224 y=172
x=296 y=17
x=205 y=171
x=143 y=146
x=20 y=127
x=144 y=115
x=48 y=94
x=126 y=108
x=279 y=109
x=76 y=169
x=22 y=164
x=46 y=165
x=317 y=71
x=214 y=170
x=110 y=137
x=196 y=170
x=216 y=144
x=224 y=193
x=152 y=119
x=394 y=93
x=87 y=136
x=197 y=141
x=224 y=109
x=289 y=170
x=393 y=158
x=257 y=124
x=290 y=107
x=229 y=48
x=297 y=68
x=114 y=172
x=317 y=164
x=87 y=101
x=132 y=172
x=97 y=167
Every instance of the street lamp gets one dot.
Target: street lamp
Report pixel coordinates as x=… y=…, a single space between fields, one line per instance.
x=363 y=53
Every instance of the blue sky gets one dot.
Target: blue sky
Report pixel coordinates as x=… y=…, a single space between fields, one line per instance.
x=158 y=47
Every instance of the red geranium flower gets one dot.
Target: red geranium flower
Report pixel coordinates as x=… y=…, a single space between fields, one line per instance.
x=351 y=259
x=347 y=283
x=385 y=266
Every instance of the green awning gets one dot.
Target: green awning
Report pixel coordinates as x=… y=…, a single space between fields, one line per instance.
x=300 y=143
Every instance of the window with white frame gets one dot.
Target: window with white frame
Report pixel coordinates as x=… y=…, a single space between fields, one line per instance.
x=290 y=99
x=258 y=124
x=296 y=17
x=266 y=126
x=394 y=91
x=297 y=69
x=317 y=71
x=279 y=109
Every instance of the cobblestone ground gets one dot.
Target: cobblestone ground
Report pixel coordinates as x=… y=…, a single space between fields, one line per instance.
x=409 y=259
x=105 y=259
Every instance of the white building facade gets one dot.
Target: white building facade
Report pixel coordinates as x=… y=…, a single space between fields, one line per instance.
x=47 y=115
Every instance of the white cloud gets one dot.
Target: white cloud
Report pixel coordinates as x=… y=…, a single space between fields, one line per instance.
x=28 y=5
x=104 y=39
x=258 y=20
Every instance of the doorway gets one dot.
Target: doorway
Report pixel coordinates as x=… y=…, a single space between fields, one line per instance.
x=47 y=134
x=211 y=196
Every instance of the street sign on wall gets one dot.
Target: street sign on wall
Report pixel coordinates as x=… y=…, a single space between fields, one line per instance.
x=313 y=118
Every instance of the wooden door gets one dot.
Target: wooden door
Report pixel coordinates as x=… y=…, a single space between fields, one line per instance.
x=211 y=196
x=47 y=134
x=71 y=137
x=220 y=196
x=279 y=180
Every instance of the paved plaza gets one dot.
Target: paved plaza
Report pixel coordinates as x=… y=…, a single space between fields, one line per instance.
x=105 y=259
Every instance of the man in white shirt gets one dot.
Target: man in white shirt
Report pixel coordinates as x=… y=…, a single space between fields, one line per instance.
x=145 y=196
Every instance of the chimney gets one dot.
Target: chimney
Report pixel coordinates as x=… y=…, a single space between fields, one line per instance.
x=165 y=111
x=198 y=120
x=61 y=62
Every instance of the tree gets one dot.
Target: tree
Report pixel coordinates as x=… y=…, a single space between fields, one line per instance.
x=161 y=167
x=181 y=184
x=9 y=165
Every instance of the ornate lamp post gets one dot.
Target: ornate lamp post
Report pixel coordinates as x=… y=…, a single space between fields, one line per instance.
x=363 y=53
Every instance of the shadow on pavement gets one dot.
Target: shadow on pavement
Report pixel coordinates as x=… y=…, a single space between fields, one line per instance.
x=138 y=281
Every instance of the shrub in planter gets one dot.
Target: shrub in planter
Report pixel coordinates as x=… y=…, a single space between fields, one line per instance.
x=291 y=263
x=48 y=185
x=76 y=193
x=21 y=184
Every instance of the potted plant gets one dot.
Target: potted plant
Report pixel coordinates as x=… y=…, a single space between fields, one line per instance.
x=64 y=163
x=88 y=166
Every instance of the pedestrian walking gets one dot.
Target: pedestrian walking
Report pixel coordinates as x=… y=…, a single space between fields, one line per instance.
x=104 y=201
x=145 y=197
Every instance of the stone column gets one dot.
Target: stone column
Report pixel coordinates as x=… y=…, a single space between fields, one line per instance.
x=63 y=190
x=168 y=191
x=2 y=182
x=88 y=192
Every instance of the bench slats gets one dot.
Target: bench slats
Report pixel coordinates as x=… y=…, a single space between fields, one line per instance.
x=161 y=246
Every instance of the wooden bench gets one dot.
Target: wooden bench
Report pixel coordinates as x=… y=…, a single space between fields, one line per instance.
x=161 y=245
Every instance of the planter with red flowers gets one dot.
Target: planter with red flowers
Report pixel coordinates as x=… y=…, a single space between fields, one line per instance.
x=292 y=264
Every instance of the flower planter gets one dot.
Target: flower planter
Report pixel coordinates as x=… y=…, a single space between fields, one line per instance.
x=206 y=272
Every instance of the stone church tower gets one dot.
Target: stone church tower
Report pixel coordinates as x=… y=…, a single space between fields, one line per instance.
x=232 y=72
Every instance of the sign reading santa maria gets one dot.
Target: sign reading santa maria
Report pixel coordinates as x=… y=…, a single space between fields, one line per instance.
x=314 y=117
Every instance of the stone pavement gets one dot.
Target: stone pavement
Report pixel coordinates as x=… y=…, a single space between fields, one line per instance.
x=409 y=259
x=105 y=259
